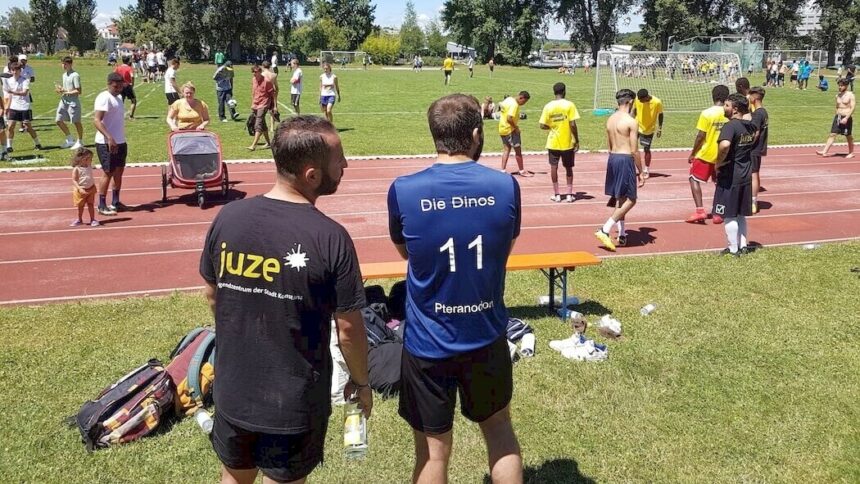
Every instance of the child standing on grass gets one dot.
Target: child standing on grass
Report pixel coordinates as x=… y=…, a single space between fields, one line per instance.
x=83 y=186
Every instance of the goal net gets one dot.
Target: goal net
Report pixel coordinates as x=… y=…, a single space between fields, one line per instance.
x=682 y=80
x=342 y=57
x=4 y=51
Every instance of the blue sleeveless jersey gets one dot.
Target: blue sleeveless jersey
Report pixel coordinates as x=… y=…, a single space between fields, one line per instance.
x=458 y=222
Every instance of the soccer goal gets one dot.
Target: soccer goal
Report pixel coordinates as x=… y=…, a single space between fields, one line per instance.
x=682 y=80
x=4 y=51
x=342 y=57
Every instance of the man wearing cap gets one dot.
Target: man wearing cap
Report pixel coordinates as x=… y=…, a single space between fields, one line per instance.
x=224 y=88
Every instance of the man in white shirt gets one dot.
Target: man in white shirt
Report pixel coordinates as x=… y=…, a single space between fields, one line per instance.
x=471 y=66
x=296 y=85
x=17 y=88
x=161 y=60
x=274 y=62
x=171 y=88
x=111 y=147
x=151 y=66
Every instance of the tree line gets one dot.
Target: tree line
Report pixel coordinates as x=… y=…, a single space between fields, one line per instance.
x=506 y=30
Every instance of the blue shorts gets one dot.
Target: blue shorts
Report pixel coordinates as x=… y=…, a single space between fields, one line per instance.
x=621 y=176
x=326 y=100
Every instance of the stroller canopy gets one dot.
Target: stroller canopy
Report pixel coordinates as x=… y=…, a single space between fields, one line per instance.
x=194 y=143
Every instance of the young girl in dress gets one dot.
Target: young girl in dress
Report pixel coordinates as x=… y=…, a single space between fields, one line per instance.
x=83 y=185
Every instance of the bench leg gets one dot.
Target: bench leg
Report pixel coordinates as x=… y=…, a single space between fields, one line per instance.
x=557 y=278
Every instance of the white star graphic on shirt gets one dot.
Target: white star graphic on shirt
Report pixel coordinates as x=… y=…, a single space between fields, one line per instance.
x=296 y=259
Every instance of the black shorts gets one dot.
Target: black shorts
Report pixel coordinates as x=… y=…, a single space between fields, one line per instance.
x=295 y=99
x=645 y=141
x=20 y=116
x=428 y=388
x=111 y=161
x=567 y=157
x=152 y=69
x=733 y=201
x=448 y=73
x=839 y=128
x=794 y=77
x=128 y=93
x=756 y=162
x=172 y=97
x=162 y=67
x=2 y=122
x=281 y=457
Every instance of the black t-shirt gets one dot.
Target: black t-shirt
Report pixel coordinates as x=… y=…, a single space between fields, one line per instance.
x=760 y=121
x=736 y=169
x=280 y=269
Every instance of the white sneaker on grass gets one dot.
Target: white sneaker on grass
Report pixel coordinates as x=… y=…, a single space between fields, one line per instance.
x=77 y=145
x=68 y=143
x=590 y=351
x=561 y=344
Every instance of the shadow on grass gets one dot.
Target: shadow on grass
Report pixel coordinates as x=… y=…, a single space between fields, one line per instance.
x=555 y=471
x=587 y=308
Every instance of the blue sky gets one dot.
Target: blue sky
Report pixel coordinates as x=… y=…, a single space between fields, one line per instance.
x=389 y=13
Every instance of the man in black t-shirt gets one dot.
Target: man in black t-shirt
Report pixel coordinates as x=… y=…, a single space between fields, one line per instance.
x=760 y=121
x=277 y=270
x=733 y=196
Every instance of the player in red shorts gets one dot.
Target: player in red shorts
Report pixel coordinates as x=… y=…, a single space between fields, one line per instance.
x=705 y=151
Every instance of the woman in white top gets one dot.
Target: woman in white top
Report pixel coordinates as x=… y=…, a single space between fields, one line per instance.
x=328 y=90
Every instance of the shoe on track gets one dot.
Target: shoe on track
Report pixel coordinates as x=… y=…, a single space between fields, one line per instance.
x=119 y=207
x=622 y=241
x=106 y=211
x=697 y=218
x=754 y=208
x=555 y=198
x=95 y=223
x=605 y=240
x=75 y=223
x=716 y=219
x=569 y=198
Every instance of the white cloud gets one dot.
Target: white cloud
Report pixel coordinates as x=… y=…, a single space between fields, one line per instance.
x=423 y=19
x=103 y=19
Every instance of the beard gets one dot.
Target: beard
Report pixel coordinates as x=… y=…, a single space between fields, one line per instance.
x=476 y=155
x=328 y=185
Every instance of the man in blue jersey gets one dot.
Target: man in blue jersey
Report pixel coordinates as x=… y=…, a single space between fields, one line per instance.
x=456 y=222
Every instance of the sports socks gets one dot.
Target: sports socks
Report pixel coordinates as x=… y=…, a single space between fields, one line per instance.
x=608 y=225
x=115 y=193
x=742 y=231
x=102 y=200
x=569 y=188
x=555 y=188
x=620 y=226
x=731 y=225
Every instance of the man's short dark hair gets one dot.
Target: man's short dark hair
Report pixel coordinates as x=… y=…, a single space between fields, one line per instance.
x=114 y=77
x=67 y=60
x=642 y=94
x=452 y=120
x=624 y=96
x=720 y=93
x=742 y=84
x=525 y=95
x=740 y=102
x=559 y=89
x=758 y=91
x=126 y=59
x=299 y=142
x=843 y=81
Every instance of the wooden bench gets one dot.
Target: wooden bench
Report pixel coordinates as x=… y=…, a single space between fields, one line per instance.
x=554 y=265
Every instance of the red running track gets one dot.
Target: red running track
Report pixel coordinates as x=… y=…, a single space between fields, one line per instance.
x=155 y=248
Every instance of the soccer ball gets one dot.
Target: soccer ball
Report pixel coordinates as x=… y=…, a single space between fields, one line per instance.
x=232 y=103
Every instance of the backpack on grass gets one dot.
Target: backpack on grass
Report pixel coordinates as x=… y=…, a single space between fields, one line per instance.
x=129 y=409
x=192 y=369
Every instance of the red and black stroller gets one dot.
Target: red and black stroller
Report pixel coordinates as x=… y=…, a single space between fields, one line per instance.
x=195 y=163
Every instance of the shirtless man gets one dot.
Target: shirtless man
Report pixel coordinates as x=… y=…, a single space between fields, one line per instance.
x=270 y=74
x=623 y=167
x=844 y=119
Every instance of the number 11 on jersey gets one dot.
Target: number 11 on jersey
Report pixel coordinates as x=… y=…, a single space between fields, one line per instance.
x=477 y=244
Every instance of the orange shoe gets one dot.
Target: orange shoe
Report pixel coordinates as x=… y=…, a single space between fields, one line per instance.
x=697 y=218
x=716 y=219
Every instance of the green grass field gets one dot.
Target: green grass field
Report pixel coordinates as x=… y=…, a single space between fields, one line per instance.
x=747 y=372
x=384 y=111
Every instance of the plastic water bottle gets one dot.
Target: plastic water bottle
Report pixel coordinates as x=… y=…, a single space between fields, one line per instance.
x=528 y=345
x=811 y=246
x=204 y=420
x=354 y=430
x=647 y=309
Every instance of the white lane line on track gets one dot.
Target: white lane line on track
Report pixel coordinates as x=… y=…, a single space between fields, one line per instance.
x=525 y=205
x=146 y=292
x=234 y=171
x=373 y=237
x=364 y=194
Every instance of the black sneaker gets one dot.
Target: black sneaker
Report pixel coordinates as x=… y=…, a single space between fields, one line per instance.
x=727 y=251
x=119 y=207
x=746 y=250
x=37 y=147
x=3 y=156
x=106 y=211
x=9 y=149
x=622 y=241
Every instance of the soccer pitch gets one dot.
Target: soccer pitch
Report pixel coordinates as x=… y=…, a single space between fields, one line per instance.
x=383 y=112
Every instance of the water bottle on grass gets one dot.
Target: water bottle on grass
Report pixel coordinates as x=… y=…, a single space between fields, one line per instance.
x=204 y=420
x=647 y=309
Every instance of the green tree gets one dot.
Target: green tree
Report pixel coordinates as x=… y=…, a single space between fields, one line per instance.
x=484 y=24
x=46 y=20
x=78 y=18
x=682 y=19
x=840 y=22
x=355 y=19
x=411 y=35
x=771 y=19
x=183 y=26
x=593 y=21
x=149 y=33
x=19 y=26
x=383 y=48
x=128 y=24
x=437 y=42
x=150 y=9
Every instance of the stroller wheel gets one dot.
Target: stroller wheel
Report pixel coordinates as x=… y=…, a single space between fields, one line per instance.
x=201 y=199
x=164 y=184
x=225 y=182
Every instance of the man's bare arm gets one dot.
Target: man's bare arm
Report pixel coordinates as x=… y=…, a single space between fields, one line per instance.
x=723 y=153
x=401 y=249
x=575 y=131
x=352 y=339
x=697 y=144
x=210 y=292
